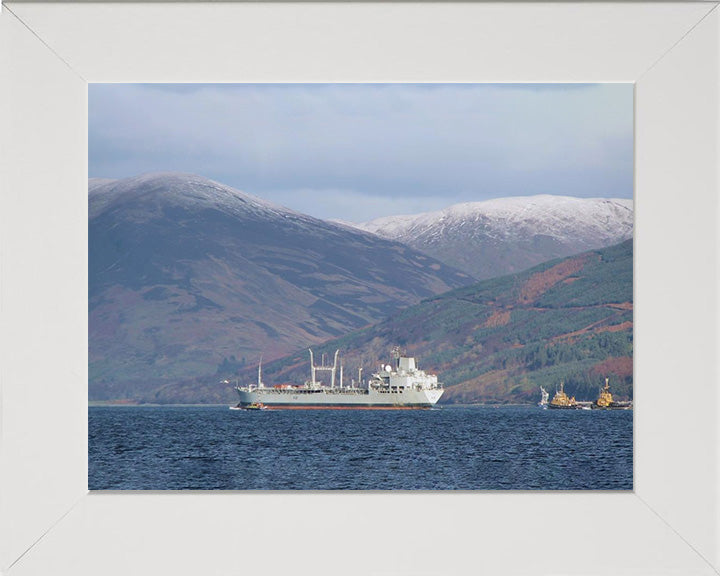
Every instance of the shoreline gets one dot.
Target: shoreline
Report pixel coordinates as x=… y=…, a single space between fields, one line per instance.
x=116 y=404
x=126 y=404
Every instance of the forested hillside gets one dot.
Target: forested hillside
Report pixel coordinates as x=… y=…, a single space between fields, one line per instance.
x=499 y=340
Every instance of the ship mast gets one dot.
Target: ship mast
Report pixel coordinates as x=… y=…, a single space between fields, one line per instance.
x=334 y=368
x=396 y=357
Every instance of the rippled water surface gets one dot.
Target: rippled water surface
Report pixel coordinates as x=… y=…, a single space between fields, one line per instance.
x=452 y=448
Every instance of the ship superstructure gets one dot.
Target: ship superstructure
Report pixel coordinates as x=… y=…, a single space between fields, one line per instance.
x=400 y=385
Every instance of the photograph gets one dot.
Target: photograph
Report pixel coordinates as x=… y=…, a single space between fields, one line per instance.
x=360 y=286
x=323 y=272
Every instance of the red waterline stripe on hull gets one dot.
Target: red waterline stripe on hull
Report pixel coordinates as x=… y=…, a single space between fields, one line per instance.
x=290 y=407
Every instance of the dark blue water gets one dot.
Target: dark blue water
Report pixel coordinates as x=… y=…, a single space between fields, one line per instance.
x=455 y=448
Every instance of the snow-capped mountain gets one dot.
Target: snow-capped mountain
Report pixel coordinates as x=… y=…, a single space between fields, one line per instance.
x=162 y=189
x=506 y=235
x=185 y=272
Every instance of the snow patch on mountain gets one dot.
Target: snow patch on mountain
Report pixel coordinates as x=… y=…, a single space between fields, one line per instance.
x=505 y=235
x=186 y=191
x=562 y=217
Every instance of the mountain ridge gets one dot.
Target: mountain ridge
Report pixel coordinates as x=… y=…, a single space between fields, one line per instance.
x=506 y=235
x=186 y=273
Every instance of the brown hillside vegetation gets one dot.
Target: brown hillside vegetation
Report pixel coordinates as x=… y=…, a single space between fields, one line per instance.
x=621 y=367
x=595 y=328
x=616 y=327
x=499 y=318
x=541 y=282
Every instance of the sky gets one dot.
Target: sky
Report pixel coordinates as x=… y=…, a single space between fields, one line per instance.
x=355 y=152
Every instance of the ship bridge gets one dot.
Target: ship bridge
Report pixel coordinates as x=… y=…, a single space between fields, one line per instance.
x=404 y=375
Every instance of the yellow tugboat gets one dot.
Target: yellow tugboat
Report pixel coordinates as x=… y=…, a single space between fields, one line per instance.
x=605 y=400
x=562 y=400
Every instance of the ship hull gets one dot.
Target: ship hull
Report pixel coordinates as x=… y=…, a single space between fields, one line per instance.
x=556 y=407
x=325 y=399
x=618 y=406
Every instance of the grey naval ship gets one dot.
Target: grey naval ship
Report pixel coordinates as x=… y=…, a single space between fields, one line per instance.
x=400 y=385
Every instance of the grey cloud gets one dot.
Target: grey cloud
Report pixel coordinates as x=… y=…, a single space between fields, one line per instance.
x=460 y=142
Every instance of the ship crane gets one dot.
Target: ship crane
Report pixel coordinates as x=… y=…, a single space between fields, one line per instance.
x=260 y=382
x=314 y=369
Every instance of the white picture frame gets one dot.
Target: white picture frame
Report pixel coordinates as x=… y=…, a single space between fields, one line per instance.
x=50 y=524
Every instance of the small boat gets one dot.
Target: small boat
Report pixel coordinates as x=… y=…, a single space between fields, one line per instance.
x=254 y=406
x=544 y=398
